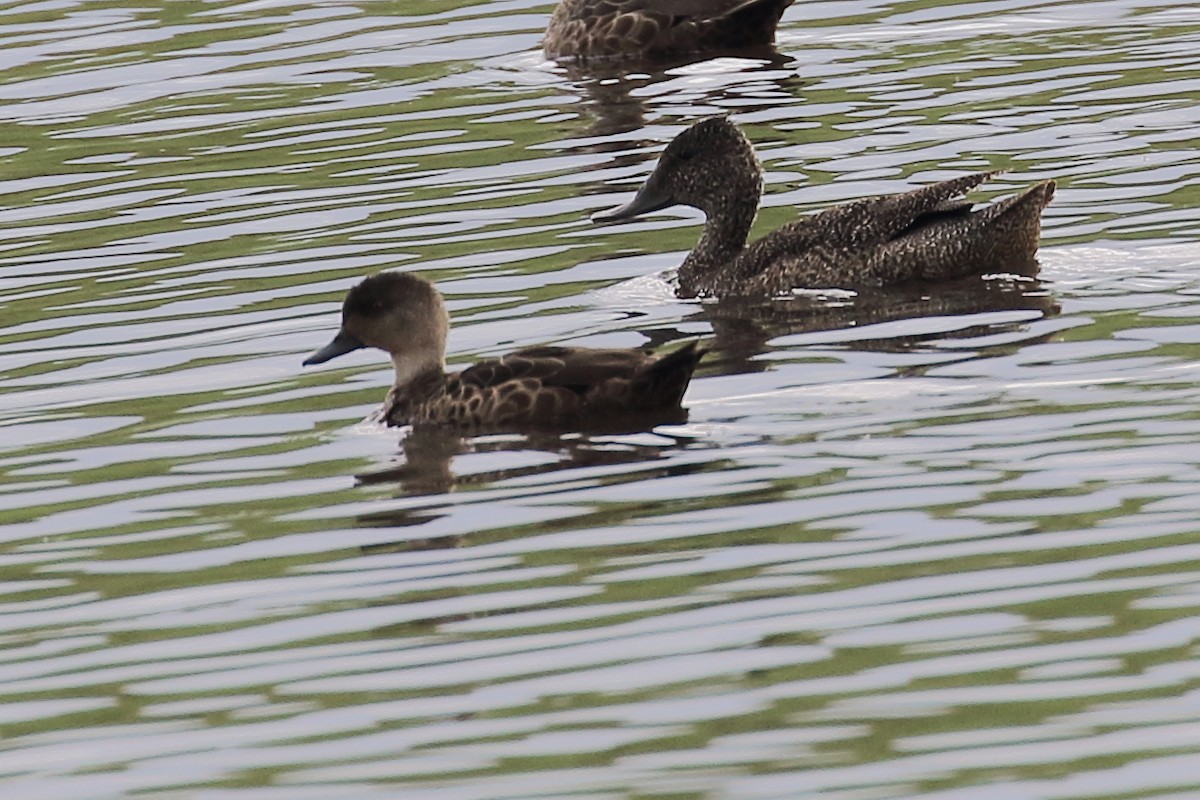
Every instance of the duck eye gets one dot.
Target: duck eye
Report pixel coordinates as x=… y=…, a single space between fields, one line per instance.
x=685 y=155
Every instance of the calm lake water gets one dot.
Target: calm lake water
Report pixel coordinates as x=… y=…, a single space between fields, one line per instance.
x=942 y=547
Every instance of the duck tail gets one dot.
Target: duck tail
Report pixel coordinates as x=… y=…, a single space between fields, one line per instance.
x=1005 y=235
x=1033 y=199
x=1017 y=220
x=666 y=379
x=747 y=24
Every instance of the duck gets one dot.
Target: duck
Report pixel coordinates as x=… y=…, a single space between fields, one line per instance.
x=546 y=388
x=928 y=234
x=657 y=29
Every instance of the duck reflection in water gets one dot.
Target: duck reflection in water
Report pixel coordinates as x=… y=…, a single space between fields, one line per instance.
x=619 y=95
x=435 y=462
x=892 y=319
x=927 y=234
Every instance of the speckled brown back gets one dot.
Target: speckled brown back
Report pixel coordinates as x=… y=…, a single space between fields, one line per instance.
x=891 y=249
x=547 y=388
x=586 y=29
x=926 y=234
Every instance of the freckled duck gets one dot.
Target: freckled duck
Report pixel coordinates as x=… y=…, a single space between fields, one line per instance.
x=652 y=29
x=538 y=388
x=928 y=234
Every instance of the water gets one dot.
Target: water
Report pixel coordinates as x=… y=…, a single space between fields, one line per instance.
x=905 y=546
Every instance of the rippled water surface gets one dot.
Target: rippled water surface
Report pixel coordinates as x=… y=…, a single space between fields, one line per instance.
x=939 y=544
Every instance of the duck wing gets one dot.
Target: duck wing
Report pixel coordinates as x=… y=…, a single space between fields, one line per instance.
x=875 y=220
x=557 y=387
x=1001 y=237
x=572 y=367
x=697 y=9
x=692 y=9
x=926 y=234
x=818 y=250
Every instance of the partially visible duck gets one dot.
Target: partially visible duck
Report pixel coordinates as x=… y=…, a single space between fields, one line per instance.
x=538 y=388
x=655 y=29
x=927 y=234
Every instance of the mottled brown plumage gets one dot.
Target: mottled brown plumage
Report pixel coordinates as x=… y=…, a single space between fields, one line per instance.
x=927 y=234
x=538 y=388
x=652 y=29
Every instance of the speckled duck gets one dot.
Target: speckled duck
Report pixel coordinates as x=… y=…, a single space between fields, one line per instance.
x=657 y=29
x=928 y=234
x=539 y=388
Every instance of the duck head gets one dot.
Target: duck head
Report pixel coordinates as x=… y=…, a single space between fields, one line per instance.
x=710 y=166
x=399 y=313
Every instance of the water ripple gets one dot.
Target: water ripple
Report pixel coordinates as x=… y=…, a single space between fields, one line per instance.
x=932 y=544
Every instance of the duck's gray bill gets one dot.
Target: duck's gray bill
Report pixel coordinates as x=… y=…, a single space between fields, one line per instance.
x=342 y=343
x=646 y=200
